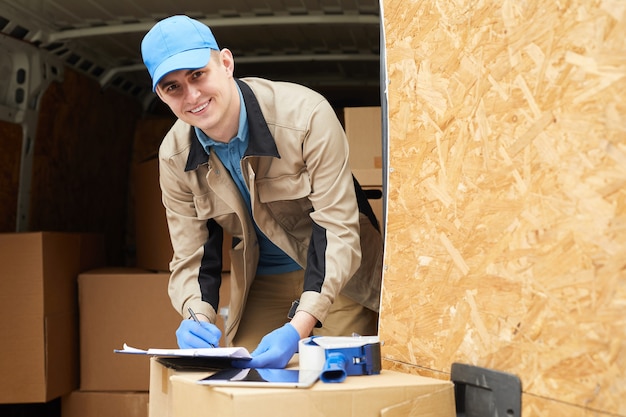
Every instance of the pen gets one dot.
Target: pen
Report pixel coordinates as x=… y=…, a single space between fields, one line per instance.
x=195 y=318
x=193 y=315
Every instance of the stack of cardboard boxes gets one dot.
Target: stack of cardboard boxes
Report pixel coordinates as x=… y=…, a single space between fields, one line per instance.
x=65 y=313
x=118 y=306
x=39 y=323
x=63 y=316
x=128 y=305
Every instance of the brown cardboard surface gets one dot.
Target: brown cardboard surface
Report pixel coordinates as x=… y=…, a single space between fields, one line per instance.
x=125 y=305
x=122 y=306
x=160 y=404
x=363 y=127
x=372 y=177
x=427 y=405
x=39 y=349
x=152 y=239
x=61 y=335
x=175 y=393
x=105 y=404
x=153 y=246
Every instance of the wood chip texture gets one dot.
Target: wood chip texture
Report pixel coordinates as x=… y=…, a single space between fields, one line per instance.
x=506 y=194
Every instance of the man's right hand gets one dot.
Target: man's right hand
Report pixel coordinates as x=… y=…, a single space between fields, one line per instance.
x=192 y=334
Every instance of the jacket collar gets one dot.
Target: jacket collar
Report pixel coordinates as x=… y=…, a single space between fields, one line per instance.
x=260 y=142
x=197 y=155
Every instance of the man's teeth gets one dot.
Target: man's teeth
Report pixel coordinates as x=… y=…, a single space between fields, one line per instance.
x=197 y=109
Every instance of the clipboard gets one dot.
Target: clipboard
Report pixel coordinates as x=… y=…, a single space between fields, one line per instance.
x=192 y=359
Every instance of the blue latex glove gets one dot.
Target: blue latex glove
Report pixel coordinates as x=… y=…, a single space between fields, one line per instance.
x=192 y=334
x=275 y=350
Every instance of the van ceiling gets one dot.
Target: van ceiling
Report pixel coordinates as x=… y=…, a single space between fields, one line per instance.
x=332 y=46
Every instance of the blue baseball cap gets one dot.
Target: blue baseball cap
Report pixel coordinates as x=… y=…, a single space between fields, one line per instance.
x=176 y=43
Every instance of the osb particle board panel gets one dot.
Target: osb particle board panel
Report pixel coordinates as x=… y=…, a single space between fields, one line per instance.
x=506 y=228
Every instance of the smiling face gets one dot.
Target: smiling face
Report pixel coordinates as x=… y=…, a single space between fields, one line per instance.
x=206 y=97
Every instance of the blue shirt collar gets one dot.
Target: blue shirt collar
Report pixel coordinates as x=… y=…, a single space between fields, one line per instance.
x=242 y=131
x=259 y=138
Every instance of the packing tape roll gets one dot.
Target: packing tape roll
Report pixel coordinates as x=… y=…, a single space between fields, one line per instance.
x=311 y=356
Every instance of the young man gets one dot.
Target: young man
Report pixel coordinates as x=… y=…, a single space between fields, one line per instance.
x=267 y=162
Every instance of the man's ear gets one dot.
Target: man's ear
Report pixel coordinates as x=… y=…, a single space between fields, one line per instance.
x=227 y=60
x=157 y=90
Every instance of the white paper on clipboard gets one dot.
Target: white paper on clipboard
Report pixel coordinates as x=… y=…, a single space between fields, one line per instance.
x=221 y=353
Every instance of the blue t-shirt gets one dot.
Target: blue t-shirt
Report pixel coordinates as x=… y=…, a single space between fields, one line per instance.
x=272 y=260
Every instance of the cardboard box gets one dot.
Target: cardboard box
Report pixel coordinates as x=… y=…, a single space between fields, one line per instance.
x=363 y=126
x=390 y=394
x=371 y=180
x=39 y=324
x=124 y=305
x=152 y=239
x=105 y=404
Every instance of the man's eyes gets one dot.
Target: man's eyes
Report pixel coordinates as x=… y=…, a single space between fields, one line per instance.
x=197 y=74
x=171 y=88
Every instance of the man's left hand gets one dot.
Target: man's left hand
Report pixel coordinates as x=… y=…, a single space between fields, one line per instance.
x=275 y=350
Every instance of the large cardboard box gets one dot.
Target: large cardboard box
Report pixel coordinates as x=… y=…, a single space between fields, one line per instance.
x=105 y=404
x=125 y=305
x=363 y=126
x=119 y=306
x=39 y=320
x=152 y=239
x=391 y=394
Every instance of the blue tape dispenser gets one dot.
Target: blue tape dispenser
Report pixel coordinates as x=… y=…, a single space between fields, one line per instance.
x=339 y=357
